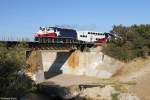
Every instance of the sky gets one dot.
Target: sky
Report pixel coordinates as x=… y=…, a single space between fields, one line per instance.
x=22 y=18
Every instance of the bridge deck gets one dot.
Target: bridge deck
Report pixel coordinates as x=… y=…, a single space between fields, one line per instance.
x=52 y=45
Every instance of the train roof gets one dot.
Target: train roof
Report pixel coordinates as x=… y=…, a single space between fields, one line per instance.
x=62 y=28
x=90 y=31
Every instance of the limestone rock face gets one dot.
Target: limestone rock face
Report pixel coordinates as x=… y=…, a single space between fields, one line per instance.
x=127 y=96
x=98 y=93
x=105 y=93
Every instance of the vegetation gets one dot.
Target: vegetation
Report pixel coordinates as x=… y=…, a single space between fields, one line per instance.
x=129 y=42
x=12 y=67
x=115 y=96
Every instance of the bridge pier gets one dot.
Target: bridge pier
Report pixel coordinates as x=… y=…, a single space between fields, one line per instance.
x=45 y=64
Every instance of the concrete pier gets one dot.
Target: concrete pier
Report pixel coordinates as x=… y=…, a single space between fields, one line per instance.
x=45 y=64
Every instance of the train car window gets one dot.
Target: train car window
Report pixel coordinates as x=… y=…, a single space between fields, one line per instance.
x=83 y=36
x=43 y=29
x=55 y=30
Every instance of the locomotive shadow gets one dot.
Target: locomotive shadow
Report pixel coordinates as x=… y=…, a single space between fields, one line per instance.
x=55 y=68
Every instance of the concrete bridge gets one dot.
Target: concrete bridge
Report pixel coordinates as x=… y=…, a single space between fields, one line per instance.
x=45 y=64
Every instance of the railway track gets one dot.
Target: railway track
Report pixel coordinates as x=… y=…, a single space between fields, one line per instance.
x=51 y=45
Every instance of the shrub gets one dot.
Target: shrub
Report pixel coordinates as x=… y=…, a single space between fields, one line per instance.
x=12 y=66
x=129 y=43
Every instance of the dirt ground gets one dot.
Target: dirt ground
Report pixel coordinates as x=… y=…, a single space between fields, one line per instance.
x=67 y=80
x=137 y=71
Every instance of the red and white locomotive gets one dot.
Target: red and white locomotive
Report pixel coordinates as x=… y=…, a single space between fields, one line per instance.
x=65 y=34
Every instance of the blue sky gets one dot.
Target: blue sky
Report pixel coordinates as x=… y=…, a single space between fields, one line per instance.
x=22 y=18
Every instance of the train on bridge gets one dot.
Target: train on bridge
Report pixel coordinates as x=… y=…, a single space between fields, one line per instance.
x=64 y=35
x=63 y=38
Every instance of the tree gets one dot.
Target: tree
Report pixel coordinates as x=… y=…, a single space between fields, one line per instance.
x=133 y=41
x=12 y=66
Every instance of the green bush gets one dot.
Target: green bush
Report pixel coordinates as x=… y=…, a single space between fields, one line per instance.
x=131 y=42
x=12 y=66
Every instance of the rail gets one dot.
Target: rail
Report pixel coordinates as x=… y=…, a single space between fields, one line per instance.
x=52 y=45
